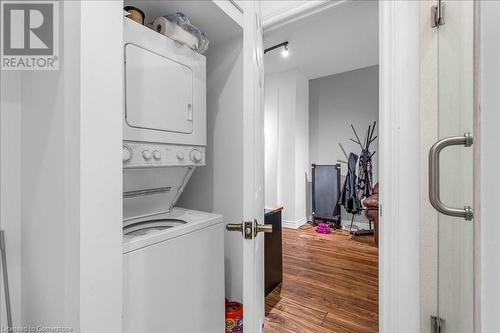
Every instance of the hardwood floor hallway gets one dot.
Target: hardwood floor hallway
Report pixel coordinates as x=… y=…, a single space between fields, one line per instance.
x=330 y=284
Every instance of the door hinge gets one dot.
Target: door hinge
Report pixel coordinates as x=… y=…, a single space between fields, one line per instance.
x=437 y=324
x=437 y=14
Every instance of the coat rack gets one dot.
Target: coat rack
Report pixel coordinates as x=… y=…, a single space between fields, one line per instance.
x=359 y=177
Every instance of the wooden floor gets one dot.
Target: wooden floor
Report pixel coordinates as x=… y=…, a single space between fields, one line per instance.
x=330 y=284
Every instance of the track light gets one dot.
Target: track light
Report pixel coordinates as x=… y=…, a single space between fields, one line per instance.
x=284 y=53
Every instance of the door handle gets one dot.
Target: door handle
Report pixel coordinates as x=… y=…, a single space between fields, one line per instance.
x=434 y=192
x=234 y=227
x=245 y=228
x=265 y=228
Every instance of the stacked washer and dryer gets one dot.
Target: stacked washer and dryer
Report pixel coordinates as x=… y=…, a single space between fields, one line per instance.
x=173 y=257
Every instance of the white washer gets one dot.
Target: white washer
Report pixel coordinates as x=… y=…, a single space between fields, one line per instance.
x=174 y=273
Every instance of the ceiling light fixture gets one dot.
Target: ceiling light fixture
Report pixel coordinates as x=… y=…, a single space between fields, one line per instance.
x=284 y=53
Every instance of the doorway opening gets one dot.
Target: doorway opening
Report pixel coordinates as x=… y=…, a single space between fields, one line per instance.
x=321 y=170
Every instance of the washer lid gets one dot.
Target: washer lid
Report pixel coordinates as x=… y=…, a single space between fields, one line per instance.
x=151 y=191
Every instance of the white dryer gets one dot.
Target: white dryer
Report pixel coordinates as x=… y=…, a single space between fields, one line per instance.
x=165 y=89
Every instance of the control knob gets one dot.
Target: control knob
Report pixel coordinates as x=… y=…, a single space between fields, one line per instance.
x=127 y=153
x=156 y=155
x=180 y=155
x=195 y=155
x=146 y=154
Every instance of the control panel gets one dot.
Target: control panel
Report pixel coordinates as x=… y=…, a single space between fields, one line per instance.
x=143 y=154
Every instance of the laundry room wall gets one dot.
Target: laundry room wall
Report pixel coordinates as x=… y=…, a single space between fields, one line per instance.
x=10 y=189
x=61 y=177
x=50 y=185
x=218 y=186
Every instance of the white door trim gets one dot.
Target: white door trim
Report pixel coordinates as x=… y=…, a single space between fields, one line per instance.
x=486 y=141
x=399 y=258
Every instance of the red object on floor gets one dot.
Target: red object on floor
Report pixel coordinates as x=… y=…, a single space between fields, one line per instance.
x=234 y=317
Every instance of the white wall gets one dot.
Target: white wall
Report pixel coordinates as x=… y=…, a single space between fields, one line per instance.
x=10 y=189
x=301 y=163
x=271 y=136
x=50 y=185
x=64 y=139
x=336 y=102
x=286 y=146
x=218 y=187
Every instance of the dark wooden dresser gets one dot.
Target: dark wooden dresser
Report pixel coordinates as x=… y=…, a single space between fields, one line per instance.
x=273 y=260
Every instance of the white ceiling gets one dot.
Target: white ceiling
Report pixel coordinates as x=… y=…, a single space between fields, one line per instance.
x=337 y=39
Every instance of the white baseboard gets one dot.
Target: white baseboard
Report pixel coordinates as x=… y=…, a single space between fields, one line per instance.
x=294 y=224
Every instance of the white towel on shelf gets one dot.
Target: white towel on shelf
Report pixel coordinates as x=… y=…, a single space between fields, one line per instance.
x=175 y=32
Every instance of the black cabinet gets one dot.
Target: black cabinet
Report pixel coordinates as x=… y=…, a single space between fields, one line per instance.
x=273 y=266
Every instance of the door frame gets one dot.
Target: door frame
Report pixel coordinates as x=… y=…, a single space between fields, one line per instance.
x=399 y=105
x=399 y=243
x=487 y=138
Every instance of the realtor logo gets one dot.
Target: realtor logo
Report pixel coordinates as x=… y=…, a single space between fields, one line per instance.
x=29 y=36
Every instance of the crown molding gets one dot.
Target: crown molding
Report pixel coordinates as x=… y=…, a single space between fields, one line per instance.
x=294 y=12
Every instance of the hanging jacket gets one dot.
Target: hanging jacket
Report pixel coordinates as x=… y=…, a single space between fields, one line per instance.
x=365 y=175
x=349 y=198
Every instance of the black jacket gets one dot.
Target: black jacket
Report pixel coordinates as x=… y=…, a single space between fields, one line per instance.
x=350 y=199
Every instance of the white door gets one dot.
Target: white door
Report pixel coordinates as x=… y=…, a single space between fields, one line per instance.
x=451 y=169
x=253 y=159
x=253 y=168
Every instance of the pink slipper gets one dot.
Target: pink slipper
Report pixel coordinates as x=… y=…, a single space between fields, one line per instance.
x=323 y=228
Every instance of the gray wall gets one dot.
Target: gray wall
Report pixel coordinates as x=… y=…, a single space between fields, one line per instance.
x=336 y=102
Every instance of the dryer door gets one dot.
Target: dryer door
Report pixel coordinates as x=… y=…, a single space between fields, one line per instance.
x=159 y=92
